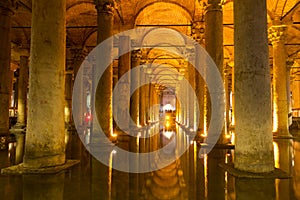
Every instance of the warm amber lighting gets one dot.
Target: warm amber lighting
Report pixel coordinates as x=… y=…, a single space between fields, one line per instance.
x=276 y=154
x=275 y=118
x=167 y=117
x=227 y=136
x=167 y=124
x=168 y=134
x=114 y=135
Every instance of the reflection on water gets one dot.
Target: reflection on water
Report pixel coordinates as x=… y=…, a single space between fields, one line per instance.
x=189 y=177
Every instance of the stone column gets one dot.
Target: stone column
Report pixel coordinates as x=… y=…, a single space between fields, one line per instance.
x=227 y=76
x=191 y=106
x=78 y=55
x=232 y=97
x=68 y=97
x=45 y=138
x=214 y=46
x=280 y=110
x=6 y=12
x=124 y=65
x=22 y=92
x=135 y=80
x=103 y=97
x=142 y=92
x=289 y=64
x=253 y=148
x=199 y=90
x=147 y=101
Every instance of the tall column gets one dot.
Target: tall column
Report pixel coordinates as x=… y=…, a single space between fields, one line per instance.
x=142 y=91
x=45 y=138
x=232 y=97
x=68 y=97
x=253 y=148
x=103 y=97
x=191 y=106
x=147 y=101
x=227 y=76
x=78 y=55
x=22 y=92
x=6 y=12
x=280 y=117
x=135 y=80
x=214 y=45
x=289 y=64
x=124 y=65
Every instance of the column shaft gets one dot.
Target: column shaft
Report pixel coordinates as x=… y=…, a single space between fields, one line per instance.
x=280 y=108
x=214 y=46
x=142 y=91
x=22 y=91
x=253 y=149
x=124 y=65
x=103 y=97
x=135 y=80
x=5 y=23
x=68 y=98
x=45 y=138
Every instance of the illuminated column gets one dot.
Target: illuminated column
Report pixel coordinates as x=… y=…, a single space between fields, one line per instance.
x=186 y=98
x=103 y=97
x=280 y=110
x=142 y=92
x=147 y=101
x=68 y=97
x=232 y=97
x=6 y=11
x=22 y=92
x=124 y=65
x=191 y=102
x=253 y=148
x=199 y=90
x=45 y=137
x=227 y=73
x=289 y=65
x=296 y=92
x=78 y=55
x=214 y=46
x=135 y=80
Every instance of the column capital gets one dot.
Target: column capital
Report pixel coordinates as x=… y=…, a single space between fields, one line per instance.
x=277 y=33
x=198 y=29
x=8 y=6
x=213 y=5
x=227 y=70
x=136 y=54
x=78 y=53
x=105 y=6
x=289 y=64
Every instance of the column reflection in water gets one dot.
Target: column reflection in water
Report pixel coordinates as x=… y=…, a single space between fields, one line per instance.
x=249 y=189
x=296 y=177
x=283 y=160
x=168 y=182
x=46 y=187
x=215 y=175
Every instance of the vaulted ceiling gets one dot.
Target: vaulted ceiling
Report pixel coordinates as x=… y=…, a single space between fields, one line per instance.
x=176 y=14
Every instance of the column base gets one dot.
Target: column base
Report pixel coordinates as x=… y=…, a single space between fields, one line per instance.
x=276 y=173
x=282 y=135
x=19 y=126
x=44 y=161
x=20 y=169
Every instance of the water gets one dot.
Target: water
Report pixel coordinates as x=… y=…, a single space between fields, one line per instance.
x=189 y=177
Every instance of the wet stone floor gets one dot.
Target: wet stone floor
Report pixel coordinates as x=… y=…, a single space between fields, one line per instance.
x=187 y=178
